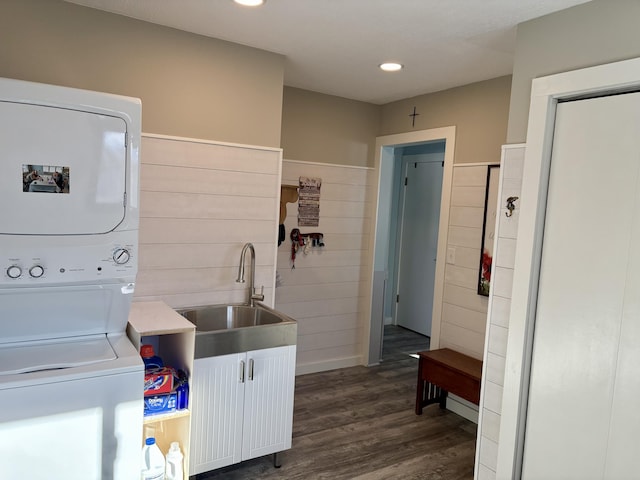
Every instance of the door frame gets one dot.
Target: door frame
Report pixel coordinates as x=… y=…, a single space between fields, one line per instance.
x=372 y=337
x=600 y=80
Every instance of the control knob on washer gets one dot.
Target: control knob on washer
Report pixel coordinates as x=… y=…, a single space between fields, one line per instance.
x=14 y=271
x=121 y=256
x=36 y=271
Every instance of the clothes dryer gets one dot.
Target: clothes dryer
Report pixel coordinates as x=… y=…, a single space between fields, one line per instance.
x=71 y=383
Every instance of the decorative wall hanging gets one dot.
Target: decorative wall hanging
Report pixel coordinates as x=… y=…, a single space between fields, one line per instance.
x=488 y=229
x=309 y=202
x=511 y=205
x=304 y=241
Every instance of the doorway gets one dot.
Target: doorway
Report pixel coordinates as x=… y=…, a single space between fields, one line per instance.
x=389 y=151
x=414 y=259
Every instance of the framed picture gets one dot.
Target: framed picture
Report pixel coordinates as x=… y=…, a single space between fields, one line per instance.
x=488 y=229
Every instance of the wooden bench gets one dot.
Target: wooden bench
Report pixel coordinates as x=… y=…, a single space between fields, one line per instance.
x=444 y=371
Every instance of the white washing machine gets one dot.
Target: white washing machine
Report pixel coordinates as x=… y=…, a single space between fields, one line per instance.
x=71 y=383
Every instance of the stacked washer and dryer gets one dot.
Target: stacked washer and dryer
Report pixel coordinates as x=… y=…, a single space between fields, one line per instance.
x=70 y=380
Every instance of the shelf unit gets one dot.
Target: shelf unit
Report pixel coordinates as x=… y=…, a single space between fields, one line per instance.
x=173 y=339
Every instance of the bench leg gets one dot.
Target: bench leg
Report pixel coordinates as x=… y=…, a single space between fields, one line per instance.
x=443 y=398
x=420 y=395
x=428 y=393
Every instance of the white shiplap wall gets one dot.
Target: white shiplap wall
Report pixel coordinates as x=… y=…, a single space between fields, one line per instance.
x=200 y=202
x=328 y=290
x=464 y=312
x=498 y=315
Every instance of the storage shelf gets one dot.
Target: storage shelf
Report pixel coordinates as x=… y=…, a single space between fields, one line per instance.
x=173 y=338
x=166 y=416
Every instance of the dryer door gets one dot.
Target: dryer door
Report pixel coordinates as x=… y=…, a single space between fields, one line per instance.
x=64 y=171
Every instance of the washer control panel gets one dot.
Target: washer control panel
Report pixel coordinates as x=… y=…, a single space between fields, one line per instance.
x=93 y=263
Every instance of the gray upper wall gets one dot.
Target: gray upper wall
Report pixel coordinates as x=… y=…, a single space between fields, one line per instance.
x=328 y=129
x=479 y=111
x=190 y=85
x=598 y=32
x=199 y=87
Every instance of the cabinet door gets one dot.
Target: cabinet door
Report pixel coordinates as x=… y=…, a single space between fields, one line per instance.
x=216 y=418
x=268 y=411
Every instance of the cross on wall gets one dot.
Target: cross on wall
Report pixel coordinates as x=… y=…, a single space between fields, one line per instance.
x=413 y=117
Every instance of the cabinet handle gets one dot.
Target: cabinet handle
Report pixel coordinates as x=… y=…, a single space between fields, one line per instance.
x=251 y=369
x=241 y=371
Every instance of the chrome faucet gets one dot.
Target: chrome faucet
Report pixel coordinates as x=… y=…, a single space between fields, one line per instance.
x=253 y=296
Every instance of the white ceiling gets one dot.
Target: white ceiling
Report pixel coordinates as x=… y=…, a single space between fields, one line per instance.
x=335 y=46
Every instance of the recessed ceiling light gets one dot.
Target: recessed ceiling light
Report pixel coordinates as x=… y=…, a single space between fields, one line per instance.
x=249 y=3
x=390 y=67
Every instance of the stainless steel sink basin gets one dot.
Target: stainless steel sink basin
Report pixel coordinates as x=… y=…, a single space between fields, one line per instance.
x=224 y=317
x=225 y=329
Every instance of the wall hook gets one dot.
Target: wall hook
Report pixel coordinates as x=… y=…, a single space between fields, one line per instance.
x=510 y=206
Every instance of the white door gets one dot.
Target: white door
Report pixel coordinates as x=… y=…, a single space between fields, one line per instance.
x=419 y=244
x=582 y=415
x=268 y=409
x=217 y=402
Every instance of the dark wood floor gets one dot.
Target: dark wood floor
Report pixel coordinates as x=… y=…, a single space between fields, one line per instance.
x=359 y=423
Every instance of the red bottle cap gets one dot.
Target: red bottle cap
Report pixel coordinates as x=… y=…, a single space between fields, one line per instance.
x=146 y=351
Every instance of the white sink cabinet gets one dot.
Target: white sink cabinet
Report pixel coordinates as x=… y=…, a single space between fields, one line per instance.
x=242 y=407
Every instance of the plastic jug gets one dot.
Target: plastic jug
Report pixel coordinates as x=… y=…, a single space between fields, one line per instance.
x=149 y=357
x=152 y=461
x=173 y=468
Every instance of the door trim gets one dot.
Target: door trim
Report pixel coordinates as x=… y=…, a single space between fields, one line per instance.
x=447 y=134
x=545 y=94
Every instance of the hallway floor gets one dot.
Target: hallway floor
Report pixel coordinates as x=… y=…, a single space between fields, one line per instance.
x=359 y=423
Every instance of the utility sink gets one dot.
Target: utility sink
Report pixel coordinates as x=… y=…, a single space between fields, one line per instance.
x=226 y=329
x=224 y=317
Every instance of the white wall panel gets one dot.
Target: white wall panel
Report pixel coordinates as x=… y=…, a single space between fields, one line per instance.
x=470 y=176
x=500 y=307
x=465 y=196
x=463 y=317
x=465 y=297
x=200 y=202
x=465 y=237
x=466 y=216
x=485 y=473
x=202 y=206
x=325 y=291
x=498 y=315
x=200 y=180
x=200 y=255
x=502 y=281
x=463 y=310
x=462 y=277
x=461 y=340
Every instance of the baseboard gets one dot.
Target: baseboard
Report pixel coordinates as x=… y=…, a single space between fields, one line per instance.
x=328 y=365
x=463 y=408
x=388 y=320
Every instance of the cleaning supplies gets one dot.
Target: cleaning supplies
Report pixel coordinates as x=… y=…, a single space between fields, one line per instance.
x=149 y=357
x=153 y=462
x=173 y=469
x=181 y=384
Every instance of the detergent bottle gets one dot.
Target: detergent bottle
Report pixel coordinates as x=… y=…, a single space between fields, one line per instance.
x=149 y=357
x=173 y=469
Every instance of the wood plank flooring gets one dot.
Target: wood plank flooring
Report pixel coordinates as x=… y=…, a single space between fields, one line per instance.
x=359 y=423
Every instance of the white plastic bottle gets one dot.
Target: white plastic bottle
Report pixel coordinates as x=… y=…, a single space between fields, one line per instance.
x=174 y=470
x=152 y=461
